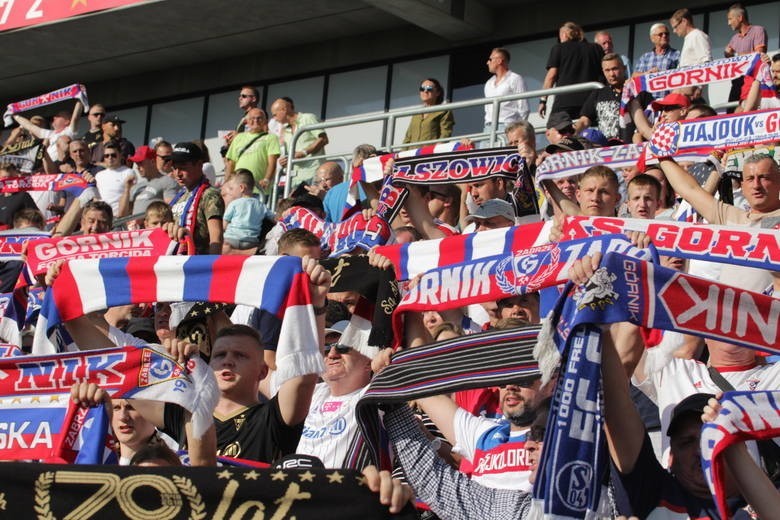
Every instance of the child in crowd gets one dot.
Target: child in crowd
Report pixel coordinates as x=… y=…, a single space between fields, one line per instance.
x=157 y=214
x=244 y=215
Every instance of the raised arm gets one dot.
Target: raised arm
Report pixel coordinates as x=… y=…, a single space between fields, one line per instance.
x=560 y=201
x=295 y=393
x=31 y=127
x=686 y=185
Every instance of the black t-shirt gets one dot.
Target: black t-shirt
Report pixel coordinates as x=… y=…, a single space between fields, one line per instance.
x=10 y=203
x=603 y=109
x=577 y=62
x=93 y=138
x=649 y=486
x=258 y=433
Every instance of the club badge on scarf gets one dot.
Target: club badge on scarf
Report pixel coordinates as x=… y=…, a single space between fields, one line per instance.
x=715 y=133
x=69 y=182
x=570 y=476
x=633 y=290
x=140 y=243
x=75 y=91
x=340 y=237
x=36 y=395
x=739 y=245
x=690 y=76
x=743 y=416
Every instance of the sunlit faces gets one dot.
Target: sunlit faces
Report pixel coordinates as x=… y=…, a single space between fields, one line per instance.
x=643 y=201
x=431 y=320
x=776 y=73
x=130 y=427
x=163 y=159
x=761 y=185
x=347 y=365
x=523 y=306
x=482 y=191
x=598 y=196
x=246 y=98
x=188 y=174
x=256 y=121
x=237 y=363
x=518 y=402
x=95 y=221
x=568 y=186
x=613 y=72
x=429 y=93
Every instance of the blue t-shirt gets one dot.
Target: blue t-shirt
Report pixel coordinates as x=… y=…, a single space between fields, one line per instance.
x=335 y=199
x=245 y=218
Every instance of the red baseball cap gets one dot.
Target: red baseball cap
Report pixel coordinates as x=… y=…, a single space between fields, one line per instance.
x=672 y=100
x=142 y=153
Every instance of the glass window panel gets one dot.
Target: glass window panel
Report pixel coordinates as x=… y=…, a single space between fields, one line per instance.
x=223 y=112
x=356 y=92
x=768 y=16
x=305 y=93
x=177 y=120
x=344 y=139
x=135 y=124
x=404 y=87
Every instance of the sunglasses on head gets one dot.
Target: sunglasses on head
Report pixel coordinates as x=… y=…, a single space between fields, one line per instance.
x=427 y=88
x=341 y=349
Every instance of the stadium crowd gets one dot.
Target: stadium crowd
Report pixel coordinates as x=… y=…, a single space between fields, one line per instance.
x=468 y=451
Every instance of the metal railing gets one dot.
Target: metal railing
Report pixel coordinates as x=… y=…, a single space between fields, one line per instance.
x=390 y=117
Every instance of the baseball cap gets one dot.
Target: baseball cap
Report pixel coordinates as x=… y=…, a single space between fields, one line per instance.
x=559 y=120
x=693 y=404
x=113 y=118
x=337 y=328
x=567 y=144
x=671 y=100
x=493 y=208
x=185 y=152
x=595 y=136
x=143 y=153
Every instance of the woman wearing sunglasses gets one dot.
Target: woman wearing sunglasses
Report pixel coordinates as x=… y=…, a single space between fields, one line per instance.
x=432 y=125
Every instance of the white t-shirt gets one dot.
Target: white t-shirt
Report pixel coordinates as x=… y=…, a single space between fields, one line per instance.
x=696 y=48
x=52 y=136
x=111 y=184
x=496 y=453
x=330 y=426
x=670 y=380
x=510 y=111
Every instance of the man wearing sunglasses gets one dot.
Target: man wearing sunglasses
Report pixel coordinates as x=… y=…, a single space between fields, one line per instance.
x=661 y=57
x=111 y=181
x=248 y=98
x=112 y=131
x=330 y=429
x=95 y=117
